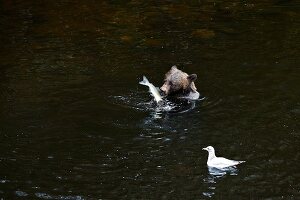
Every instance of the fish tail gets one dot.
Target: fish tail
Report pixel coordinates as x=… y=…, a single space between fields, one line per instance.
x=144 y=81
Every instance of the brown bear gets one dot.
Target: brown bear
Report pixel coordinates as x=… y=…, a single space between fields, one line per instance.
x=180 y=84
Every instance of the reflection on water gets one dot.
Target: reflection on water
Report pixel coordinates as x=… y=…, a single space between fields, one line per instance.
x=221 y=172
x=75 y=124
x=46 y=196
x=214 y=176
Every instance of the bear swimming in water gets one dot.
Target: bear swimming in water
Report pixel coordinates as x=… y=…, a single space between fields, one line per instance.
x=179 y=84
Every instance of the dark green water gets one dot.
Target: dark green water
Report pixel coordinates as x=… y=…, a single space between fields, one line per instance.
x=75 y=124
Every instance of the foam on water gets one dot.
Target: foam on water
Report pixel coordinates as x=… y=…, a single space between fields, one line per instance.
x=134 y=100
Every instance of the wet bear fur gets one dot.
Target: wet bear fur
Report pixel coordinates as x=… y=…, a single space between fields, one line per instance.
x=179 y=84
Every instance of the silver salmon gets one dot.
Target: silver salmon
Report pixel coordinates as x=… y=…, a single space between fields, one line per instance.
x=152 y=89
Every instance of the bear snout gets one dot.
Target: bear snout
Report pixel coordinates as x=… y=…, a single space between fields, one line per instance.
x=164 y=89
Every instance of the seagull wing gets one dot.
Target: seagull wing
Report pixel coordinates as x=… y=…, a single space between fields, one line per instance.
x=220 y=162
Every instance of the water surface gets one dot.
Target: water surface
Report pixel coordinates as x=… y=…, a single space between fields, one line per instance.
x=75 y=124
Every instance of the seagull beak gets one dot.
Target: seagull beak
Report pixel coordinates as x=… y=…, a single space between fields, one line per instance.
x=204 y=149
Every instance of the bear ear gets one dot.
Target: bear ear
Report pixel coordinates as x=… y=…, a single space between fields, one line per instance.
x=173 y=67
x=192 y=77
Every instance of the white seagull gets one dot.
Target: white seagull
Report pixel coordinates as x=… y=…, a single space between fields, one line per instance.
x=219 y=162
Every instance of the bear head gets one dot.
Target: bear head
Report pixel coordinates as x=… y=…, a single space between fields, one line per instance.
x=178 y=82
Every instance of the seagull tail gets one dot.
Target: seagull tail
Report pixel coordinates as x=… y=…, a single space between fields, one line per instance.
x=242 y=161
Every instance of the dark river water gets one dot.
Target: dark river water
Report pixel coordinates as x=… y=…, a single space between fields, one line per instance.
x=75 y=123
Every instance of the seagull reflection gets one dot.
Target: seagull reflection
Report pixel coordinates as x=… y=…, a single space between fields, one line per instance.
x=214 y=175
x=221 y=172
